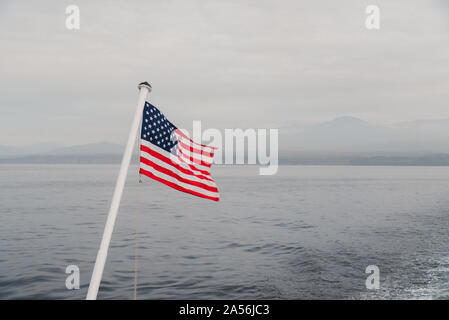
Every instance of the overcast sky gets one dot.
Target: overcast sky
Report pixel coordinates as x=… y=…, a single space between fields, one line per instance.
x=248 y=64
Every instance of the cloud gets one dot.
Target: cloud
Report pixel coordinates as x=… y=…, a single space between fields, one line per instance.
x=230 y=64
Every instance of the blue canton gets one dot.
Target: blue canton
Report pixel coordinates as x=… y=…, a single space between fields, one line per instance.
x=156 y=129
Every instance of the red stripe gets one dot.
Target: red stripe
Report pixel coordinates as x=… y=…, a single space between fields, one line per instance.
x=177 y=166
x=175 y=186
x=195 y=160
x=194 y=150
x=192 y=166
x=176 y=176
x=179 y=132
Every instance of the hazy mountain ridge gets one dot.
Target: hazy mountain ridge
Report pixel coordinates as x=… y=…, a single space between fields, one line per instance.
x=101 y=152
x=12 y=151
x=349 y=134
x=90 y=149
x=343 y=140
x=84 y=149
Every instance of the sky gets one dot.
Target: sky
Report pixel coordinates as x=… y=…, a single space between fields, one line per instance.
x=231 y=64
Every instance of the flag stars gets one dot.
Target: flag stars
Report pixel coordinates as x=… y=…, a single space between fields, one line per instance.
x=157 y=129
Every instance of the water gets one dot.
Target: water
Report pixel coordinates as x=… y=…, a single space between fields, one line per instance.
x=305 y=233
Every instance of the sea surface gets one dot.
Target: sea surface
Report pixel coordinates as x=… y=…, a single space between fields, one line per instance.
x=308 y=232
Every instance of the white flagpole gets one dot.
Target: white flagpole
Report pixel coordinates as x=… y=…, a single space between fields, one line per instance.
x=144 y=88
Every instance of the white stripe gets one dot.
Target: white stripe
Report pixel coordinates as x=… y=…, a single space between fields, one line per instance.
x=195 y=145
x=174 y=170
x=187 y=154
x=179 y=183
x=203 y=157
x=173 y=157
x=196 y=165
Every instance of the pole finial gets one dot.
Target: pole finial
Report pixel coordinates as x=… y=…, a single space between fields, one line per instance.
x=146 y=85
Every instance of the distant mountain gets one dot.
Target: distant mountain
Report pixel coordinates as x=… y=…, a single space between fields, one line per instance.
x=427 y=122
x=9 y=151
x=87 y=153
x=13 y=151
x=343 y=140
x=89 y=149
x=349 y=134
x=343 y=134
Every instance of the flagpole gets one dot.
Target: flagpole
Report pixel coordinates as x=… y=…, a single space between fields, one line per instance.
x=144 y=88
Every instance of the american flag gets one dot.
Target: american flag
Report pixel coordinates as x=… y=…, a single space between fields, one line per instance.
x=169 y=156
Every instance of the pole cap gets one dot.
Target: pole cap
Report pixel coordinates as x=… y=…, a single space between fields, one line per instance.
x=146 y=85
